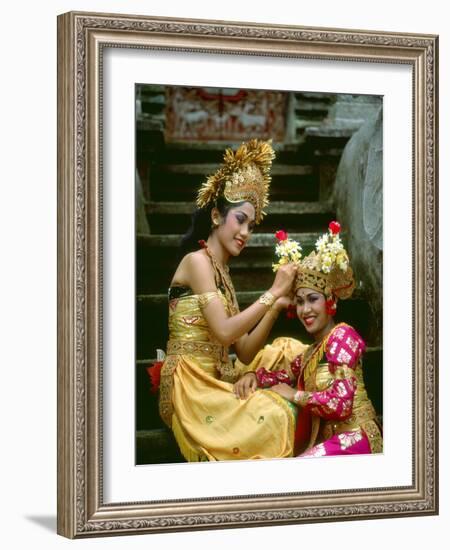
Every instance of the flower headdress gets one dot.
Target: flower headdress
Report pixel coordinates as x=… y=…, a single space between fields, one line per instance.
x=327 y=269
x=243 y=176
x=286 y=249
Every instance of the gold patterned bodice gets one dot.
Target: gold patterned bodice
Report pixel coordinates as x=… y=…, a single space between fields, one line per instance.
x=189 y=332
x=186 y=320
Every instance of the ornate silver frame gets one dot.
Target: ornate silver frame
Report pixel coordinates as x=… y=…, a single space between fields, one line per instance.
x=81 y=510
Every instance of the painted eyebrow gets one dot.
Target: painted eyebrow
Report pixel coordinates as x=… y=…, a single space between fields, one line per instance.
x=246 y=215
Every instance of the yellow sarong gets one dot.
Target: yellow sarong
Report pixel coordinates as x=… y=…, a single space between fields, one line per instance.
x=208 y=421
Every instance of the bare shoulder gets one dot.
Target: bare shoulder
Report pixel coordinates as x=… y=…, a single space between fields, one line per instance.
x=195 y=270
x=197 y=259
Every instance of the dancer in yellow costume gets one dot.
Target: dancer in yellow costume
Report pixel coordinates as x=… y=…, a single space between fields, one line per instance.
x=214 y=409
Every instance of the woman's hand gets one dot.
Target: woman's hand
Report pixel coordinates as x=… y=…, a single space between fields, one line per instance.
x=284 y=278
x=284 y=390
x=245 y=386
x=283 y=303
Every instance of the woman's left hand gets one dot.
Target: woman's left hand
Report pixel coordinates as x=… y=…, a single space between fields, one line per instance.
x=284 y=390
x=245 y=385
x=283 y=303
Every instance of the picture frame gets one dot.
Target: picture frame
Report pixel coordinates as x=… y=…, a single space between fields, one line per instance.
x=82 y=509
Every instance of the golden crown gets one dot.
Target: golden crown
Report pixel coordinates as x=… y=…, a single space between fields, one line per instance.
x=327 y=268
x=243 y=176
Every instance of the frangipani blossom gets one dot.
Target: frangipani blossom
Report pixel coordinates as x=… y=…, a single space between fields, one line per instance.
x=286 y=249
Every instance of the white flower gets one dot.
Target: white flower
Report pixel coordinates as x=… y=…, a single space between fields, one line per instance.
x=331 y=252
x=287 y=251
x=322 y=243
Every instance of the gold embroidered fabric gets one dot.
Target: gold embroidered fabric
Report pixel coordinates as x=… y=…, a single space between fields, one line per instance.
x=165 y=389
x=198 y=403
x=374 y=435
x=192 y=347
x=314 y=355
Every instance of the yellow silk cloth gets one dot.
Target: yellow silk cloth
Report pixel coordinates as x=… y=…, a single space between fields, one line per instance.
x=276 y=356
x=208 y=421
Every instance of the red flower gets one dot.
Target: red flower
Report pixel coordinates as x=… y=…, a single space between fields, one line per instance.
x=291 y=312
x=330 y=306
x=154 y=372
x=281 y=235
x=335 y=227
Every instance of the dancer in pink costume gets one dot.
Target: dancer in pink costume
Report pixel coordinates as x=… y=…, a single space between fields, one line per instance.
x=335 y=414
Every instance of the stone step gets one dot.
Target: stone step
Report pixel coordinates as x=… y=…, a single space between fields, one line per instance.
x=320 y=97
x=140 y=363
x=207 y=168
x=157 y=437
x=152 y=124
x=275 y=207
x=244 y=272
x=155 y=98
x=325 y=131
x=258 y=240
x=305 y=105
x=158 y=255
x=168 y=187
x=301 y=184
x=175 y=217
x=282 y=150
x=245 y=297
x=157 y=446
x=326 y=142
x=152 y=320
x=151 y=89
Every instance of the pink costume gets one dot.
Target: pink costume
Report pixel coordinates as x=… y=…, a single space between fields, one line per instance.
x=336 y=417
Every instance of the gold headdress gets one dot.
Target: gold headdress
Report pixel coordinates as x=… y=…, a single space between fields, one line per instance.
x=327 y=269
x=243 y=176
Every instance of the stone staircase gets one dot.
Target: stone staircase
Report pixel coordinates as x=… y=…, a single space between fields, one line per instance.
x=302 y=180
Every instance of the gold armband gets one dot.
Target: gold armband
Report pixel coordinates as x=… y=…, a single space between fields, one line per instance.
x=206 y=298
x=267 y=299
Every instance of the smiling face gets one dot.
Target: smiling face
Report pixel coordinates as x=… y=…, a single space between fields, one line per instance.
x=236 y=229
x=311 y=310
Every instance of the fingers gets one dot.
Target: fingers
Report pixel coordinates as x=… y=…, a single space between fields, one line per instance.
x=238 y=390
x=245 y=387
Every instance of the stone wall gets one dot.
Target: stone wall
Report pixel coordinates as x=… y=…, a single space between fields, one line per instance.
x=358 y=199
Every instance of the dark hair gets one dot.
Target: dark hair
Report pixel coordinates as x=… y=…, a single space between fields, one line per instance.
x=200 y=228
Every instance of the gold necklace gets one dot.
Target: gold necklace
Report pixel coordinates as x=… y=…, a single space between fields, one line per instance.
x=222 y=278
x=313 y=357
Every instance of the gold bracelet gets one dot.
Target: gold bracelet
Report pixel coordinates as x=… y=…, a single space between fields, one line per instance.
x=267 y=299
x=300 y=398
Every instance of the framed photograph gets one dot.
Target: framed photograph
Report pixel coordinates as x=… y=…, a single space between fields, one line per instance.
x=181 y=132
x=146 y=108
